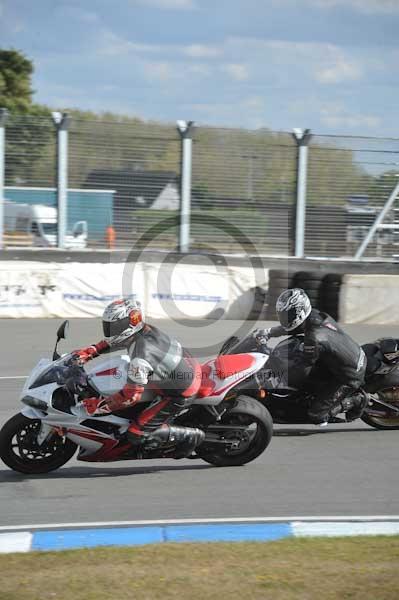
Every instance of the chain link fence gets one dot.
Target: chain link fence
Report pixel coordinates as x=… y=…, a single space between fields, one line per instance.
x=138 y=165
x=124 y=187
x=349 y=181
x=243 y=191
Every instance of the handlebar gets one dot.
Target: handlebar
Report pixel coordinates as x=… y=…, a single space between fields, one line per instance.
x=248 y=344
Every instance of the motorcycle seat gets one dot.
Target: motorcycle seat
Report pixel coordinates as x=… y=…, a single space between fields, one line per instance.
x=230 y=364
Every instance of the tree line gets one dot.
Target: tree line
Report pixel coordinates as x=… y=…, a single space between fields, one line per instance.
x=239 y=167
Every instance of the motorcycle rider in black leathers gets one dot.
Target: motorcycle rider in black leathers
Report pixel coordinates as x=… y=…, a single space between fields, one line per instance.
x=339 y=363
x=175 y=377
x=382 y=356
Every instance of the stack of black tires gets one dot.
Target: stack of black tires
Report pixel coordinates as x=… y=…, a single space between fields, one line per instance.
x=279 y=280
x=322 y=288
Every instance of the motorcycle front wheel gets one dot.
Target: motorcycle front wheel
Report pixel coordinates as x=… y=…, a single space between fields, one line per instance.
x=249 y=426
x=20 y=450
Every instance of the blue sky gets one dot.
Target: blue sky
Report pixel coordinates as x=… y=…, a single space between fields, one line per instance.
x=330 y=65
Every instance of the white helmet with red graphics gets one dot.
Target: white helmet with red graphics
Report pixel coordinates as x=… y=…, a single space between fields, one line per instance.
x=293 y=308
x=121 y=320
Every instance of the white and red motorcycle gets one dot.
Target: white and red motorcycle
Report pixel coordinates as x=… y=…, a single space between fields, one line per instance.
x=53 y=424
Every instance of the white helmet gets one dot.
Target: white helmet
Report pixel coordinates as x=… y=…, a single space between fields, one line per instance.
x=122 y=319
x=293 y=308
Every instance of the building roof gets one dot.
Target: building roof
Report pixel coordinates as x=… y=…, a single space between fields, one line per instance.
x=133 y=187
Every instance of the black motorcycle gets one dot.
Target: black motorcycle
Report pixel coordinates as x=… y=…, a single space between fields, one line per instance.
x=284 y=385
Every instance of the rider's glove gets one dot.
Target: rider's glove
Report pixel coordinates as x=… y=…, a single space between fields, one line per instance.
x=86 y=354
x=261 y=336
x=96 y=406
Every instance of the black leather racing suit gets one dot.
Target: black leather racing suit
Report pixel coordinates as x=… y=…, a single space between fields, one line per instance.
x=339 y=363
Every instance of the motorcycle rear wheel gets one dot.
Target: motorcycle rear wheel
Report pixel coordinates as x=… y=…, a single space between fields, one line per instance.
x=384 y=422
x=381 y=422
x=20 y=451
x=246 y=412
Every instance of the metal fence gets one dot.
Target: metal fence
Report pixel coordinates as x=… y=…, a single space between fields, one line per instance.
x=124 y=183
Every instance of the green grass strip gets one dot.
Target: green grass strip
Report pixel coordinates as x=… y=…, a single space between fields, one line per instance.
x=360 y=568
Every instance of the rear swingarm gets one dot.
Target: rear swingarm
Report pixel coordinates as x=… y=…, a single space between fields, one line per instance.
x=377 y=400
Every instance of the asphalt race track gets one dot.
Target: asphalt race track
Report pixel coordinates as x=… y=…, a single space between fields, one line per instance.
x=343 y=471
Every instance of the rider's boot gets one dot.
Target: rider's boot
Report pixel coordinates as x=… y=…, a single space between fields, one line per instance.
x=353 y=406
x=358 y=404
x=153 y=428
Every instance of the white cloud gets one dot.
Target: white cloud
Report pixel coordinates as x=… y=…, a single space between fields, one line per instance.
x=364 y=6
x=322 y=62
x=255 y=103
x=337 y=70
x=245 y=112
x=337 y=116
x=77 y=13
x=202 y=51
x=200 y=69
x=169 y=4
x=111 y=44
x=236 y=71
x=161 y=71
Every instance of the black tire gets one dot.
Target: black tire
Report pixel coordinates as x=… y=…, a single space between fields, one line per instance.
x=280 y=283
x=378 y=423
x=309 y=285
x=330 y=295
x=280 y=274
x=332 y=285
x=309 y=276
x=246 y=409
x=314 y=297
x=333 y=279
x=369 y=420
x=330 y=305
x=59 y=450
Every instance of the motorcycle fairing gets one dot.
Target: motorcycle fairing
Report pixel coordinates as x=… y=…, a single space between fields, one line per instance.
x=108 y=377
x=216 y=384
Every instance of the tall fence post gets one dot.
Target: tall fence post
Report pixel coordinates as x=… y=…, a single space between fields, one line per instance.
x=185 y=128
x=302 y=138
x=3 y=118
x=61 y=122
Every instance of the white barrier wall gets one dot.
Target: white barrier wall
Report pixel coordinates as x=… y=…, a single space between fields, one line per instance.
x=370 y=299
x=34 y=289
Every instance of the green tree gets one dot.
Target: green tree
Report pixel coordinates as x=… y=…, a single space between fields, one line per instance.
x=15 y=81
x=29 y=129
x=382 y=186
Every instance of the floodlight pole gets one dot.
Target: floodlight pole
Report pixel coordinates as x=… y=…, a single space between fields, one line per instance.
x=302 y=138
x=185 y=129
x=3 y=119
x=61 y=122
x=378 y=223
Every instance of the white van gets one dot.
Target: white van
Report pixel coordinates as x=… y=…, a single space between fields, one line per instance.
x=38 y=223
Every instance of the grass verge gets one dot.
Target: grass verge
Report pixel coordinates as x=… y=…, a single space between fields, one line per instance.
x=327 y=568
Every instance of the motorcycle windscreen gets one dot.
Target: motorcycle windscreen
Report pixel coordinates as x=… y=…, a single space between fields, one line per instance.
x=286 y=368
x=53 y=374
